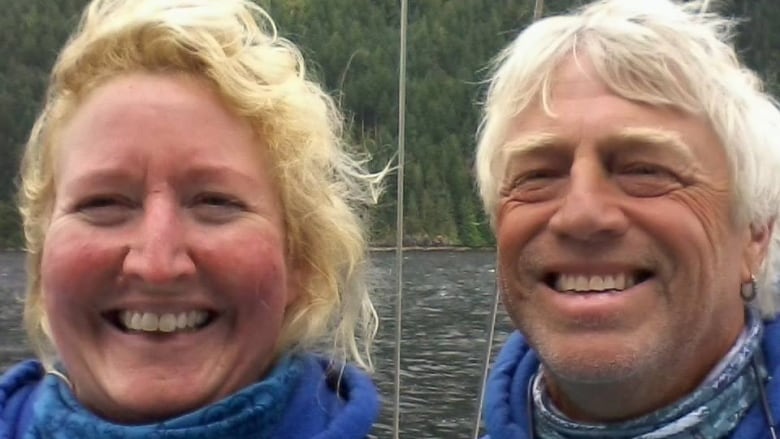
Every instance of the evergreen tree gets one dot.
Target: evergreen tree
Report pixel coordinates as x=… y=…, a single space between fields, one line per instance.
x=353 y=47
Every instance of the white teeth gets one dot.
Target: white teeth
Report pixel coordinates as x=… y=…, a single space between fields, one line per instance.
x=135 y=321
x=196 y=318
x=583 y=283
x=167 y=323
x=149 y=322
x=181 y=320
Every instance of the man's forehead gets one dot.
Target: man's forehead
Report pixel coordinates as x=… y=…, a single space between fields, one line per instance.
x=576 y=78
x=627 y=138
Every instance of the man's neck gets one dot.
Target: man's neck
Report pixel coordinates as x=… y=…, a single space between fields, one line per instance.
x=636 y=395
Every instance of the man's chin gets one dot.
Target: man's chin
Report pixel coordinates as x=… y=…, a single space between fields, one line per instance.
x=595 y=364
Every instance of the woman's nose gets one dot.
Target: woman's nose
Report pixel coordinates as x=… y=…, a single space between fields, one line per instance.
x=159 y=252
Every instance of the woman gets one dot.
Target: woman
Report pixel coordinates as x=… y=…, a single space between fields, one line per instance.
x=191 y=229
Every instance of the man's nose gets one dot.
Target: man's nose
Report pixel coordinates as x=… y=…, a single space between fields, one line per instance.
x=159 y=252
x=590 y=210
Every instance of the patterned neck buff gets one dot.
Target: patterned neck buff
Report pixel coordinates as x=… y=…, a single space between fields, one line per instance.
x=253 y=412
x=712 y=411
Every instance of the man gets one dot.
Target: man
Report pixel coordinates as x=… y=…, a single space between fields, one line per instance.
x=628 y=164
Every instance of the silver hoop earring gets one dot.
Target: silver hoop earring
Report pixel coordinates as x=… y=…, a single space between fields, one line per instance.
x=749 y=291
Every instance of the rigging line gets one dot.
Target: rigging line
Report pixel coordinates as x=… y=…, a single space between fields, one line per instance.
x=538 y=11
x=705 y=5
x=486 y=362
x=399 y=238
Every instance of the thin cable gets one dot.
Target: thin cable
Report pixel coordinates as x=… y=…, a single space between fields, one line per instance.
x=399 y=220
x=486 y=361
x=764 y=401
x=538 y=9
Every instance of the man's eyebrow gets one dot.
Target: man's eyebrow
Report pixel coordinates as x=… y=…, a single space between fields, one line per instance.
x=530 y=143
x=630 y=137
x=653 y=138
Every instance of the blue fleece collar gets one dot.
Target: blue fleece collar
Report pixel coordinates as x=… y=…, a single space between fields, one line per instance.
x=506 y=405
x=253 y=412
x=711 y=411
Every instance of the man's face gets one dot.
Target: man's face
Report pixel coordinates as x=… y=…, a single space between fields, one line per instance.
x=619 y=253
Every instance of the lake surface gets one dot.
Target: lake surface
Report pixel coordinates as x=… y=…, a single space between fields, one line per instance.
x=447 y=299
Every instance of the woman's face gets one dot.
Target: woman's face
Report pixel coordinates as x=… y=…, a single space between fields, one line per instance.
x=164 y=271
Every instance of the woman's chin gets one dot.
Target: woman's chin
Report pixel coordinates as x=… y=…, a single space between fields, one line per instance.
x=146 y=406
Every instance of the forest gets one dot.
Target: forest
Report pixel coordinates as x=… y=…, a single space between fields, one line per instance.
x=352 y=46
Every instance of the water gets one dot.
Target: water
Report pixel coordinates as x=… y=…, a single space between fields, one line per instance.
x=447 y=299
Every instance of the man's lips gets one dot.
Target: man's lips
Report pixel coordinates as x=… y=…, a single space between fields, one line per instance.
x=588 y=283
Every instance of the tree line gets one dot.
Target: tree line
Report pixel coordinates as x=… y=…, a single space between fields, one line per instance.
x=352 y=46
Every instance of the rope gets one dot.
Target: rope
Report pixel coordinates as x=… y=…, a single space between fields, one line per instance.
x=399 y=238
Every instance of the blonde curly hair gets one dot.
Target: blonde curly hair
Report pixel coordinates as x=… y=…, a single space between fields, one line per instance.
x=233 y=45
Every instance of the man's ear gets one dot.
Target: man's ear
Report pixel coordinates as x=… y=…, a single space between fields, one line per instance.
x=756 y=249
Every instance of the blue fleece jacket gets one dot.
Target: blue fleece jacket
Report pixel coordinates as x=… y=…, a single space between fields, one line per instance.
x=315 y=410
x=506 y=400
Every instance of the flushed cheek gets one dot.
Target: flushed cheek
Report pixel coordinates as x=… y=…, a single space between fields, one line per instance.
x=252 y=271
x=76 y=265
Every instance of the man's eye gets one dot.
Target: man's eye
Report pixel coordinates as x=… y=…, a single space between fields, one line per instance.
x=534 y=185
x=646 y=180
x=645 y=169
x=534 y=178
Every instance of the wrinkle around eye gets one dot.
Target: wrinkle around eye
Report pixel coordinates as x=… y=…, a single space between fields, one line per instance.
x=217 y=208
x=536 y=190
x=533 y=187
x=648 y=185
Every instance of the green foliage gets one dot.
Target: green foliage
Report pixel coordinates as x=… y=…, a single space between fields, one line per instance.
x=353 y=47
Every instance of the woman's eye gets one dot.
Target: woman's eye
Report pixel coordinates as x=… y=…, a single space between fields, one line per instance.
x=97 y=203
x=104 y=210
x=217 y=207
x=218 y=200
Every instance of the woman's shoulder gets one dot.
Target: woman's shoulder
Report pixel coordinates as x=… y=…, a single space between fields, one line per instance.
x=16 y=387
x=20 y=378
x=331 y=401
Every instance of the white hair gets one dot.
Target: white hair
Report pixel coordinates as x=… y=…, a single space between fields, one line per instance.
x=658 y=52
